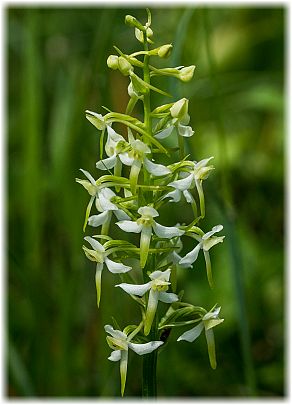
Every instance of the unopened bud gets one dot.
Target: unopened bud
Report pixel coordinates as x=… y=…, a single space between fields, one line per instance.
x=112 y=62
x=186 y=73
x=179 y=109
x=133 y=22
x=124 y=66
x=164 y=51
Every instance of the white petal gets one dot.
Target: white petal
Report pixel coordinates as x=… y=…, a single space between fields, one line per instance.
x=155 y=169
x=108 y=163
x=129 y=226
x=215 y=229
x=192 y=256
x=174 y=195
x=188 y=196
x=118 y=334
x=114 y=135
x=115 y=355
x=212 y=314
x=140 y=146
x=166 y=297
x=94 y=244
x=164 y=133
x=192 y=334
x=148 y=211
x=183 y=184
x=166 y=231
x=135 y=289
x=115 y=267
x=104 y=199
x=96 y=220
x=121 y=215
x=145 y=348
x=185 y=131
x=210 y=242
x=162 y=275
x=203 y=162
x=88 y=175
x=126 y=159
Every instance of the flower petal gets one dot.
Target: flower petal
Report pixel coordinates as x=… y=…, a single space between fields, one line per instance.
x=166 y=297
x=96 y=220
x=162 y=275
x=166 y=231
x=151 y=310
x=99 y=267
x=215 y=229
x=193 y=333
x=185 y=130
x=106 y=164
x=148 y=211
x=164 y=133
x=192 y=256
x=145 y=240
x=129 y=226
x=94 y=244
x=145 y=348
x=105 y=196
x=174 y=195
x=88 y=175
x=121 y=215
x=115 y=267
x=118 y=334
x=214 y=240
x=183 y=184
x=114 y=135
x=155 y=169
x=188 y=196
x=126 y=159
x=115 y=355
x=123 y=369
x=211 y=347
x=135 y=289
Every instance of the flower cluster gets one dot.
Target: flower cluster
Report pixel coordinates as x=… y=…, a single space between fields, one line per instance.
x=129 y=195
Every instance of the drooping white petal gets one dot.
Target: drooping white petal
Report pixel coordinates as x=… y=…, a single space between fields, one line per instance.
x=126 y=159
x=188 y=196
x=118 y=334
x=94 y=244
x=155 y=169
x=115 y=267
x=166 y=231
x=97 y=220
x=183 y=184
x=148 y=211
x=167 y=297
x=164 y=133
x=215 y=229
x=185 y=130
x=135 y=289
x=115 y=355
x=88 y=175
x=193 y=333
x=192 y=256
x=144 y=348
x=105 y=196
x=129 y=226
x=174 y=195
x=106 y=164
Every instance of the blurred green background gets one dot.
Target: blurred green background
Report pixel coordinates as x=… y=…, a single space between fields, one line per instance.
x=56 y=69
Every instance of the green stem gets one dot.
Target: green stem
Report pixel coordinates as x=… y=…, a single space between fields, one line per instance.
x=149 y=388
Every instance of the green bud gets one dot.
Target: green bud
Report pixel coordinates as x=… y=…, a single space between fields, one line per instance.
x=124 y=66
x=133 y=22
x=180 y=109
x=139 y=85
x=186 y=73
x=164 y=51
x=112 y=62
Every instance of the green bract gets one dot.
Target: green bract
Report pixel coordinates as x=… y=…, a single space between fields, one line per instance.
x=128 y=194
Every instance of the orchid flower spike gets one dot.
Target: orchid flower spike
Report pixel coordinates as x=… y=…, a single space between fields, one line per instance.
x=99 y=255
x=120 y=343
x=157 y=288
x=208 y=322
x=145 y=225
x=206 y=241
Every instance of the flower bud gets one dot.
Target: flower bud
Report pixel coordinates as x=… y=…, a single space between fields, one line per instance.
x=164 y=51
x=124 y=66
x=180 y=109
x=112 y=62
x=186 y=73
x=139 y=35
x=133 y=22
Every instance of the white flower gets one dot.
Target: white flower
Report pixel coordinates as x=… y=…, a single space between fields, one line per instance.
x=206 y=241
x=99 y=255
x=106 y=207
x=120 y=343
x=96 y=119
x=209 y=321
x=157 y=292
x=145 y=225
x=114 y=145
x=199 y=172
